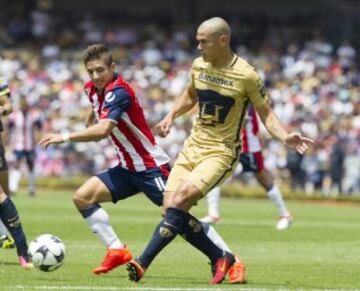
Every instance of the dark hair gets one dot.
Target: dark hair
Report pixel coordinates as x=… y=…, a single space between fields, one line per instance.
x=96 y=52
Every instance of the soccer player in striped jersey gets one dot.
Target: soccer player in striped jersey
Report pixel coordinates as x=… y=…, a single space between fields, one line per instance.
x=143 y=166
x=252 y=160
x=23 y=125
x=223 y=85
x=8 y=212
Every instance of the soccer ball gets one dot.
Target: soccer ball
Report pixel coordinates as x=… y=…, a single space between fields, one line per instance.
x=47 y=252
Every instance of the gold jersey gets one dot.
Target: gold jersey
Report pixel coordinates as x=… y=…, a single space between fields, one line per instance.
x=223 y=96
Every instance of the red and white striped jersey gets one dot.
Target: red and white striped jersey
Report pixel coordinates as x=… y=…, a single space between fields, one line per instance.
x=250 y=132
x=22 y=126
x=132 y=138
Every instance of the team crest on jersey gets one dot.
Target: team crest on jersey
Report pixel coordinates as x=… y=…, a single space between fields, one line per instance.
x=110 y=96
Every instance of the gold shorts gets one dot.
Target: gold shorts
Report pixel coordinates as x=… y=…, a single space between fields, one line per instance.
x=205 y=169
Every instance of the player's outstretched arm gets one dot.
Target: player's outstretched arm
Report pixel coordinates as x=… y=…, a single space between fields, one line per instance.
x=90 y=118
x=272 y=123
x=185 y=103
x=92 y=133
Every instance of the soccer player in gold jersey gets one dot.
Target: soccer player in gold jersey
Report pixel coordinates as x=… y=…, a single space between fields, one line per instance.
x=223 y=85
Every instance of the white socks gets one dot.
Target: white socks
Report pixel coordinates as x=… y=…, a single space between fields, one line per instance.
x=276 y=197
x=14 y=180
x=213 y=200
x=217 y=239
x=99 y=224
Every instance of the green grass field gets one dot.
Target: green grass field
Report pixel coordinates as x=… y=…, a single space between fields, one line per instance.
x=320 y=251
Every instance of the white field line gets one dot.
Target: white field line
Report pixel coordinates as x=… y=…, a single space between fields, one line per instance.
x=112 y=288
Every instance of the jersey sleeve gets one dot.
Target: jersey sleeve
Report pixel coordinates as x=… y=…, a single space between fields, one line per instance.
x=4 y=88
x=116 y=101
x=255 y=89
x=87 y=90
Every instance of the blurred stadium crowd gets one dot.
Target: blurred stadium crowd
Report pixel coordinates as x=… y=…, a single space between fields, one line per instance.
x=314 y=85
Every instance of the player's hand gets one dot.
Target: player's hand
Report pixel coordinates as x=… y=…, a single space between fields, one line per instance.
x=298 y=142
x=164 y=126
x=51 y=138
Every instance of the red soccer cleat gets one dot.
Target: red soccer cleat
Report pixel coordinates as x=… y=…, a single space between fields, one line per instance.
x=237 y=272
x=222 y=265
x=135 y=270
x=113 y=259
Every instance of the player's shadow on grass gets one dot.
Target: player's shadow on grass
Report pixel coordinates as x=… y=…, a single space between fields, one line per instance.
x=179 y=280
x=46 y=278
x=151 y=279
x=9 y=263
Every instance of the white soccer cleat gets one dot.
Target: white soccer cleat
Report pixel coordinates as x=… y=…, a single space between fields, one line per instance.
x=210 y=219
x=284 y=222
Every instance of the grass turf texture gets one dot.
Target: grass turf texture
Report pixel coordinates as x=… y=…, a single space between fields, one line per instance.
x=320 y=251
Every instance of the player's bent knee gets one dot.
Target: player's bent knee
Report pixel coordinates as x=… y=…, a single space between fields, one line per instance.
x=184 y=198
x=180 y=199
x=83 y=198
